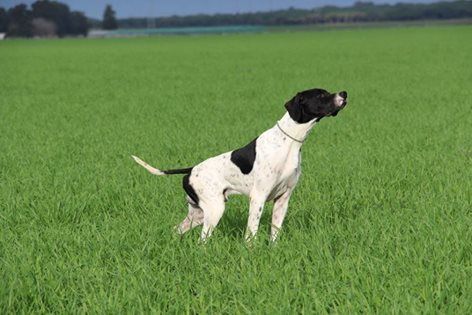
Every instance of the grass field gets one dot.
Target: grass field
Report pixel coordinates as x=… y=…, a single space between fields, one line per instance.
x=380 y=222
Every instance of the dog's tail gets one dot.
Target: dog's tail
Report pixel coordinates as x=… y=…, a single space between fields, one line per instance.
x=158 y=172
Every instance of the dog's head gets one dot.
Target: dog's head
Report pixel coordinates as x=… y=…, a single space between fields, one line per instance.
x=315 y=103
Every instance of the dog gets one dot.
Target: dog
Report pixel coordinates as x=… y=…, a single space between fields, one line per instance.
x=268 y=168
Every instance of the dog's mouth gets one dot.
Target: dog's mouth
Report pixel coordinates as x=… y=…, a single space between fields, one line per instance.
x=340 y=101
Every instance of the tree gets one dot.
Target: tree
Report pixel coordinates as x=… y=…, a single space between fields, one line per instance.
x=43 y=28
x=109 y=19
x=3 y=20
x=78 y=23
x=19 y=25
x=56 y=12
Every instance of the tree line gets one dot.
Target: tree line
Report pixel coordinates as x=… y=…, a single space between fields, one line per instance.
x=49 y=19
x=45 y=18
x=359 y=12
x=52 y=18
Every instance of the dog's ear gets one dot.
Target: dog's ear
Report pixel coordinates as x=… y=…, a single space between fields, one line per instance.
x=294 y=108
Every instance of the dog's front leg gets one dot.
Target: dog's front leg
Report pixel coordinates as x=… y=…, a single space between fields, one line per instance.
x=278 y=214
x=255 y=211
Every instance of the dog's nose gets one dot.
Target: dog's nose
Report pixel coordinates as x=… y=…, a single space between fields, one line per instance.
x=343 y=94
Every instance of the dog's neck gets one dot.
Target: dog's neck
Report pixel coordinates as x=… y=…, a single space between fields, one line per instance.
x=296 y=131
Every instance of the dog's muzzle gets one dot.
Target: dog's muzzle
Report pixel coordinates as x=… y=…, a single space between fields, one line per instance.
x=341 y=99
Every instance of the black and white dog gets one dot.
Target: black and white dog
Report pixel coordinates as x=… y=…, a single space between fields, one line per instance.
x=266 y=169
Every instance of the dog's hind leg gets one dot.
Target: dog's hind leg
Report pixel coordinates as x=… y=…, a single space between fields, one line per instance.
x=212 y=212
x=194 y=218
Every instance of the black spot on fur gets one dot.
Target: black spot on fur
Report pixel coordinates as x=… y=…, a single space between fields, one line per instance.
x=178 y=171
x=244 y=157
x=189 y=189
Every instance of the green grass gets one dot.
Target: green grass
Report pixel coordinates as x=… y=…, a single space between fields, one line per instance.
x=379 y=223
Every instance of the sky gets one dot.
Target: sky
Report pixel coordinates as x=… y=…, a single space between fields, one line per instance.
x=144 y=8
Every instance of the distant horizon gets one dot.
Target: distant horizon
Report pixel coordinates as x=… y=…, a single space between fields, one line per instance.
x=149 y=8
